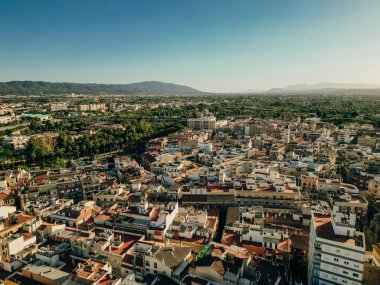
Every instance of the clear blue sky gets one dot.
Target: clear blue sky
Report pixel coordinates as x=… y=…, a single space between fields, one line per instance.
x=211 y=45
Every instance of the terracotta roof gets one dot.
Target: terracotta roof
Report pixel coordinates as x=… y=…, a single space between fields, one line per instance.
x=103 y=217
x=325 y=230
x=4 y=196
x=254 y=249
x=27 y=236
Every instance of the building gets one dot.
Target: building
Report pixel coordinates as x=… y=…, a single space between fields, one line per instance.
x=8 y=119
x=349 y=209
x=17 y=143
x=72 y=216
x=39 y=117
x=336 y=252
x=56 y=107
x=45 y=274
x=13 y=244
x=372 y=266
x=92 y=273
x=269 y=189
x=368 y=141
x=202 y=123
x=374 y=188
x=146 y=258
x=91 y=107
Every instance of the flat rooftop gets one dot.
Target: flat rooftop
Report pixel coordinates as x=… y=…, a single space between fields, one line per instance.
x=325 y=230
x=48 y=272
x=353 y=200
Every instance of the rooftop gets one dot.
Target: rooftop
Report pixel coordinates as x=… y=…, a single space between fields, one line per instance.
x=325 y=230
x=47 y=272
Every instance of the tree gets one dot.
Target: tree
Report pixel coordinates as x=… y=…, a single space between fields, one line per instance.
x=37 y=150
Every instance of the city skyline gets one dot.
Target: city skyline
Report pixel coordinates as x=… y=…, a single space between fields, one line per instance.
x=214 y=46
x=190 y=142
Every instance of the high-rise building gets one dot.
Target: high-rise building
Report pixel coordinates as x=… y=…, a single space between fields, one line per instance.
x=336 y=252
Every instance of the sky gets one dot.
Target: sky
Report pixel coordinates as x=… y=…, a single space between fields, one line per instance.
x=210 y=45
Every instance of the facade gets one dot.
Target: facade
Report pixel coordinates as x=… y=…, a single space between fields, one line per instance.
x=147 y=258
x=349 y=209
x=374 y=188
x=372 y=266
x=336 y=252
x=202 y=123
x=16 y=142
x=91 y=107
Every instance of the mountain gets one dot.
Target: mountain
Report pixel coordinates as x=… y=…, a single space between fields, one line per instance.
x=38 y=87
x=324 y=86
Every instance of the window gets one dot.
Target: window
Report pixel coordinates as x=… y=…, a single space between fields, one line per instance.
x=355 y=274
x=147 y=263
x=345 y=272
x=155 y=265
x=336 y=259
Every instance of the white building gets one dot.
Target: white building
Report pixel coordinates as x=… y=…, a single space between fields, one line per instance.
x=16 y=142
x=171 y=260
x=336 y=252
x=13 y=244
x=202 y=123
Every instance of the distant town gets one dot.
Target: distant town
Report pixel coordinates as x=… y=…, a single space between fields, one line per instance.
x=235 y=189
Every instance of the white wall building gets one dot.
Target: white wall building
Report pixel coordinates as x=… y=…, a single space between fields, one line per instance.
x=336 y=252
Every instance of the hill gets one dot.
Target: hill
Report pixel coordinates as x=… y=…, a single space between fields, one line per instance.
x=38 y=87
x=323 y=86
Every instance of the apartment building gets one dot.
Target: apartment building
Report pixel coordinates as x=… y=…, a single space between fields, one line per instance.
x=17 y=143
x=93 y=272
x=374 y=187
x=269 y=189
x=202 y=123
x=148 y=258
x=14 y=243
x=194 y=225
x=56 y=107
x=349 y=209
x=110 y=195
x=336 y=252
x=91 y=107
x=73 y=216
x=368 y=141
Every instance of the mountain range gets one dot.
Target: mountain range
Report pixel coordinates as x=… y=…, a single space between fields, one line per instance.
x=157 y=87
x=324 y=86
x=320 y=86
x=38 y=87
